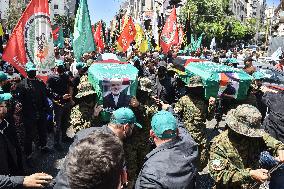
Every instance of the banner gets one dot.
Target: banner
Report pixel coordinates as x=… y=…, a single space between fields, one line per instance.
x=83 y=41
x=32 y=40
x=127 y=36
x=169 y=34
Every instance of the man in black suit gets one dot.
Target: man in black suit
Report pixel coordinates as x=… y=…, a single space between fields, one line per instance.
x=116 y=99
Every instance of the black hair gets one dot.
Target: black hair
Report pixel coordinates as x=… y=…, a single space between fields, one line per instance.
x=96 y=162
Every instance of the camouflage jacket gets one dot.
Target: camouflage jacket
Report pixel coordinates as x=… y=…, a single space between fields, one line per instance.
x=232 y=156
x=193 y=112
x=81 y=118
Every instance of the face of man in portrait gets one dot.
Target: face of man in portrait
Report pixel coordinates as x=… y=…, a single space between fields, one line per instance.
x=115 y=87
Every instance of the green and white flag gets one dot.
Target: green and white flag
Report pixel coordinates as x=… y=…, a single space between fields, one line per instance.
x=83 y=41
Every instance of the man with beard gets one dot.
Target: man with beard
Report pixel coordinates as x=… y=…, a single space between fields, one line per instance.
x=32 y=94
x=235 y=152
x=116 y=99
x=60 y=91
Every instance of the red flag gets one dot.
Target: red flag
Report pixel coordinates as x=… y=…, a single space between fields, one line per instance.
x=127 y=35
x=31 y=40
x=98 y=36
x=55 y=33
x=169 y=34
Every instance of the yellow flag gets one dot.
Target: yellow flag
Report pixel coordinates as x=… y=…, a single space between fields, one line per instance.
x=144 y=47
x=1 y=30
x=139 y=35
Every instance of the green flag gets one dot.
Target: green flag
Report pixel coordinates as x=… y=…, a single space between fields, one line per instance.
x=83 y=41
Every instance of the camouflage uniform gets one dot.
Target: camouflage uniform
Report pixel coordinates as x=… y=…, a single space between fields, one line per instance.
x=193 y=112
x=236 y=151
x=81 y=118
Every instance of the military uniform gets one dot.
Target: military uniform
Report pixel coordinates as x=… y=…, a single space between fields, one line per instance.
x=82 y=115
x=236 y=151
x=193 y=111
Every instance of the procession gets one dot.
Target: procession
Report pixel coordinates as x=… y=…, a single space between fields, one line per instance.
x=177 y=94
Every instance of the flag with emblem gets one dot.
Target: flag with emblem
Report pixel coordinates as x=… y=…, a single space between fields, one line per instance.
x=31 y=40
x=169 y=34
x=127 y=35
x=58 y=38
x=83 y=41
x=98 y=35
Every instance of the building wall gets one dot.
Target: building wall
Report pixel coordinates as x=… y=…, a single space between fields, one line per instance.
x=4 y=5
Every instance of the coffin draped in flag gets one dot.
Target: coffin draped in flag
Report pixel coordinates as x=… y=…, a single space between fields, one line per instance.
x=127 y=35
x=83 y=41
x=98 y=35
x=170 y=31
x=110 y=80
x=32 y=40
x=218 y=79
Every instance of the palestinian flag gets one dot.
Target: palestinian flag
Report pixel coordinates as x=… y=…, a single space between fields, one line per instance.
x=31 y=40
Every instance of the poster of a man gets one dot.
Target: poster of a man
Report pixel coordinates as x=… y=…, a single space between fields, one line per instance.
x=116 y=94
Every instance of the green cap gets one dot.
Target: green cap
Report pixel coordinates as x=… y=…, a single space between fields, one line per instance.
x=164 y=121
x=59 y=63
x=258 y=75
x=123 y=116
x=3 y=76
x=30 y=67
x=4 y=96
x=80 y=65
x=135 y=58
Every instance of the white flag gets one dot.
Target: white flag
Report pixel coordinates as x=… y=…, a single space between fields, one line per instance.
x=155 y=29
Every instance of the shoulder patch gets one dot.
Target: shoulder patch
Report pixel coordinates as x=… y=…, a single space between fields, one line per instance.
x=217 y=164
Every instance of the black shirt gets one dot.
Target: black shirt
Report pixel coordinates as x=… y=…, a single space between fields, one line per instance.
x=58 y=85
x=33 y=96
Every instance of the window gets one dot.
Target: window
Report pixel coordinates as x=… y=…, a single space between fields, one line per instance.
x=55 y=6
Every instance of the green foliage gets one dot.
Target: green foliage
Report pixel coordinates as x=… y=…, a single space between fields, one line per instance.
x=66 y=22
x=215 y=19
x=14 y=14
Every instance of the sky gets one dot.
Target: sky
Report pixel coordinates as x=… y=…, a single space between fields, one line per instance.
x=106 y=9
x=103 y=9
x=271 y=2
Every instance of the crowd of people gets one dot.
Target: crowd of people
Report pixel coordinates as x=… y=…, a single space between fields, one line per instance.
x=158 y=139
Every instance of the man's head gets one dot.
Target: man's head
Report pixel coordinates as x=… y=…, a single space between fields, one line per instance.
x=81 y=67
x=31 y=70
x=245 y=120
x=164 y=127
x=95 y=162
x=248 y=62
x=3 y=78
x=59 y=66
x=10 y=70
x=122 y=122
x=4 y=97
x=115 y=86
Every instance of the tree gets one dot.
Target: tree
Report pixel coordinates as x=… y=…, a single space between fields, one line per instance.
x=14 y=14
x=214 y=19
x=67 y=23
